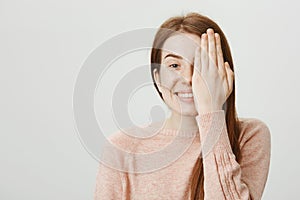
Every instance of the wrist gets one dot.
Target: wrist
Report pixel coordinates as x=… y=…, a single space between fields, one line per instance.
x=208 y=109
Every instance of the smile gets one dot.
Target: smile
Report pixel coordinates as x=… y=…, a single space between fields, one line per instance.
x=185 y=96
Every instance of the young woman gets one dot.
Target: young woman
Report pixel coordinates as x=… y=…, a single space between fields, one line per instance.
x=227 y=158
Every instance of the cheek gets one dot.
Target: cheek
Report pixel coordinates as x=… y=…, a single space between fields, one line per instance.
x=168 y=80
x=168 y=83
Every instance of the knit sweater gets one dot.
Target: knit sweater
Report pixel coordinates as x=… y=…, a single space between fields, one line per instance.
x=168 y=177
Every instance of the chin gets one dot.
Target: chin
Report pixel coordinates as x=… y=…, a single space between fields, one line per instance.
x=194 y=114
x=182 y=108
x=189 y=110
x=186 y=112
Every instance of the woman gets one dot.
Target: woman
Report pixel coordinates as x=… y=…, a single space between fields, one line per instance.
x=228 y=158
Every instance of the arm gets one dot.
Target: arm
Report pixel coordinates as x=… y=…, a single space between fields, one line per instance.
x=109 y=180
x=224 y=177
x=108 y=183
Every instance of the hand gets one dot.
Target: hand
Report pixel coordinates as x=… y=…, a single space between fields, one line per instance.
x=212 y=80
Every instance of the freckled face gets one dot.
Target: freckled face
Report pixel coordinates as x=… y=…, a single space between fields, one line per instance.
x=175 y=76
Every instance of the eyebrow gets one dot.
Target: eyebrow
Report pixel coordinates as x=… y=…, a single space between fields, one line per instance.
x=173 y=55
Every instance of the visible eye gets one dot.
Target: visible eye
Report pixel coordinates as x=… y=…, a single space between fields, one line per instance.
x=175 y=66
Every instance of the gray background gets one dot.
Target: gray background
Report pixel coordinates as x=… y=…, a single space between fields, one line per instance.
x=44 y=43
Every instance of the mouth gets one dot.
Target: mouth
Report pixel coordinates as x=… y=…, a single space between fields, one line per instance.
x=185 y=96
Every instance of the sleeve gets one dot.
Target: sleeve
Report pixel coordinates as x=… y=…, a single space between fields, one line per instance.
x=224 y=177
x=108 y=183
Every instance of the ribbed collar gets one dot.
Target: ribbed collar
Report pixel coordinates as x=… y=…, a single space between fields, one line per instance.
x=158 y=127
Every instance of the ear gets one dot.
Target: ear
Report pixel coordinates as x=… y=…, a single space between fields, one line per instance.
x=156 y=78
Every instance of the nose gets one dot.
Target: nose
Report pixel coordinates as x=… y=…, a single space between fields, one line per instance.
x=187 y=73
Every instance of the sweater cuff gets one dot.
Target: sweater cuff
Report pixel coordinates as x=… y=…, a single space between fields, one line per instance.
x=213 y=132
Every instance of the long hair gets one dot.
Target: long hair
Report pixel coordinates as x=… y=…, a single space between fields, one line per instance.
x=197 y=24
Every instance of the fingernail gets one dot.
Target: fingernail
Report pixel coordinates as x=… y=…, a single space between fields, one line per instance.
x=209 y=29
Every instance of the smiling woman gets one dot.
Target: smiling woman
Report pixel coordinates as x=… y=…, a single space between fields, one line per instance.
x=228 y=158
x=175 y=75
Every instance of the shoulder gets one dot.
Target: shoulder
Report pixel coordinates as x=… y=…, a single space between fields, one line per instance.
x=254 y=131
x=122 y=139
x=141 y=139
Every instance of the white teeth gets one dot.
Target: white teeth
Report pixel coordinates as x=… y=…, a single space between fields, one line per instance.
x=185 y=95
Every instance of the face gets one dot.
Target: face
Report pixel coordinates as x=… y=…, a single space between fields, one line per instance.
x=174 y=79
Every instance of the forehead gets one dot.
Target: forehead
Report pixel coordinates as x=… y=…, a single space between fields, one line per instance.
x=182 y=44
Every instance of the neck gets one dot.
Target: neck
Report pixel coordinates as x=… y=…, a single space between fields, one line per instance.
x=181 y=122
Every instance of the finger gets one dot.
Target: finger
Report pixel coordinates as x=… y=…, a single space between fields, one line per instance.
x=230 y=76
x=204 y=55
x=212 y=48
x=219 y=50
x=197 y=61
x=220 y=59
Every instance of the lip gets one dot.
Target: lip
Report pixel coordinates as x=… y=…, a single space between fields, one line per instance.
x=185 y=99
x=184 y=91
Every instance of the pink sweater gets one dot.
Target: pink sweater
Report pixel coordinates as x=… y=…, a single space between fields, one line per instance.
x=224 y=177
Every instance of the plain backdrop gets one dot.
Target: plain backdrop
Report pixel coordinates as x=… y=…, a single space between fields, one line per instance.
x=43 y=45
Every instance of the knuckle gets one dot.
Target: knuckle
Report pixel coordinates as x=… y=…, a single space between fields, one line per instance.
x=220 y=53
x=211 y=51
